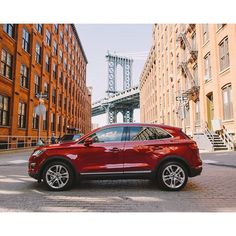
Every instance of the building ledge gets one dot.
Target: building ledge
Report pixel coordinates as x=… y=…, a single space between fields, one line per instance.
x=224 y=71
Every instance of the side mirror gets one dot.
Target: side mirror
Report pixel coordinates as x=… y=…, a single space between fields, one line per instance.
x=88 y=142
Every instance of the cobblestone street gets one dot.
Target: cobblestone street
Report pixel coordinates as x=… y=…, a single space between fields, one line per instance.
x=213 y=191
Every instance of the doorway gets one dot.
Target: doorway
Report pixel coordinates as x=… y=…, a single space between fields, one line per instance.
x=210 y=110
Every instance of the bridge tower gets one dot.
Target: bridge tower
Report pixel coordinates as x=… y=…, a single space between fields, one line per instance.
x=126 y=64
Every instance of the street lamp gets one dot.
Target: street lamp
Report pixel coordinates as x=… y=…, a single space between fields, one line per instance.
x=40 y=110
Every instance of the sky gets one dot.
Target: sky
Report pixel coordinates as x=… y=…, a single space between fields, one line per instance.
x=97 y=39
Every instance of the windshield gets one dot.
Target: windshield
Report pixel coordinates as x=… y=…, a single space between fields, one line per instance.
x=76 y=136
x=67 y=137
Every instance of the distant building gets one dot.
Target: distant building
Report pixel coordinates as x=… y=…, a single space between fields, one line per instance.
x=47 y=58
x=189 y=77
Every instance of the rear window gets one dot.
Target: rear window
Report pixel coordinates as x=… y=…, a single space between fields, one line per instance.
x=147 y=133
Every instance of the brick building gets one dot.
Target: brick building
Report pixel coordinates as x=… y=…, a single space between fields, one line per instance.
x=189 y=78
x=48 y=59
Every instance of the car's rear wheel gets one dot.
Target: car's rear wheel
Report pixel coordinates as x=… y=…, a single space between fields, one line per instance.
x=58 y=176
x=172 y=176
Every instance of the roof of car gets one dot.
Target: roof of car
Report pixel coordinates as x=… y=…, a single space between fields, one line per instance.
x=141 y=124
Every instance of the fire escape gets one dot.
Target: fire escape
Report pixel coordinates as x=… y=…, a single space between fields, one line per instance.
x=191 y=57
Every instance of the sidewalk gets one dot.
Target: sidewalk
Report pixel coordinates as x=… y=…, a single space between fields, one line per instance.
x=227 y=159
x=6 y=151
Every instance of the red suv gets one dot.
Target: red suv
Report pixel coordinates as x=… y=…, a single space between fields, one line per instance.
x=119 y=151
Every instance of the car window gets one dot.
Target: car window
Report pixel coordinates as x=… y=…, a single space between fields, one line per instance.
x=67 y=137
x=147 y=133
x=113 y=134
x=76 y=136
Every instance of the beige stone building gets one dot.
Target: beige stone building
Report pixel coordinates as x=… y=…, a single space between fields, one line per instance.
x=189 y=79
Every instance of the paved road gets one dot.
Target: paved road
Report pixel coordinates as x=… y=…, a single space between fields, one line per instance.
x=213 y=191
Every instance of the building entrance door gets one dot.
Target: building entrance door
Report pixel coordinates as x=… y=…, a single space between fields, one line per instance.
x=210 y=110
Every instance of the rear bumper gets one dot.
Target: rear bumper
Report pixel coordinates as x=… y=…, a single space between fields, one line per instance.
x=195 y=171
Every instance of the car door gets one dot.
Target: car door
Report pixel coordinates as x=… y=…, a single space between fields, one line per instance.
x=143 y=148
x=105 y=154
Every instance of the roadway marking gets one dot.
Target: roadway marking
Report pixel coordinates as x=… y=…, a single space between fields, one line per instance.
x=209 y=161
x=17 y=162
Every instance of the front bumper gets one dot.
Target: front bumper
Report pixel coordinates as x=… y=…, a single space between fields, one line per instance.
x=195 y=171
x=33 y=175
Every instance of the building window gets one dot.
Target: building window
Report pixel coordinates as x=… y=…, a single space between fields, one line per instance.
x=197 y=113
x=22 y=115
x=46 y=88
x=4 y=110
x=36 y=84
x=54 y=96
x=54 y=72
x=60 y=99
x=55 y=47
x=56 y=28
x=61 y=78
x=60 y=55
x=59 y=123
x=67 y=28
x=172 y=96
x=65 y=102
x=52 y=121
x=224 y=54
x=227 y=102
x=219 y=26
x=65 y=83
x=9 y=29
x=39 y=28
x=195 y=75
x=66 y=46
x=25 y=40
x=24 y=76
x=207 y=64
x=47 y=63
x=38 y=53
x=69 y=107
x=45 y=123
x=6 y=64
x=35 y=121
x=194 y=41
x=48 y=37
x=65 y=63
x=205 y=33
x=61 y=37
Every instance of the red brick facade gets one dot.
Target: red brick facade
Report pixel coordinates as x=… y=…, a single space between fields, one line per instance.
x=69 y=100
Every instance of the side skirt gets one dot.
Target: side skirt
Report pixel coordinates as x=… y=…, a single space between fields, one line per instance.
x=116 y=175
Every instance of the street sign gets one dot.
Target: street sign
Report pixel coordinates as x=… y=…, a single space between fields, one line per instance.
x=181 y=98
x=40 y=110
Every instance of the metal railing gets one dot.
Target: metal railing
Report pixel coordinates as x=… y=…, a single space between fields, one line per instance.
x=20 y=142
x=227 y=138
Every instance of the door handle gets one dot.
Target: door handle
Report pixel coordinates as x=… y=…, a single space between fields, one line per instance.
x=115 y=149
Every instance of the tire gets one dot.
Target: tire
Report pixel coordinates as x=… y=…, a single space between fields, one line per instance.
x=58 y=176
x=172 y=176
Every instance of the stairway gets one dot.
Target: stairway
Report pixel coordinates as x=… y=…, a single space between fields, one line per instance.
x=217 y=142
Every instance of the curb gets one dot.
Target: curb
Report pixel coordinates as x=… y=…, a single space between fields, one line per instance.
x=16 y=150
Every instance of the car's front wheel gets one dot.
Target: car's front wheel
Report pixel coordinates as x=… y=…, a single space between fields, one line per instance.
x=58 y=176
x=172 y=176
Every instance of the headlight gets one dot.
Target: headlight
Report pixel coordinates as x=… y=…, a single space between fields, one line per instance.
x=38 y=152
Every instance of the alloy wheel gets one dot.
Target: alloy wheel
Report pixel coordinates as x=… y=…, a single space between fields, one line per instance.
x=57 y=176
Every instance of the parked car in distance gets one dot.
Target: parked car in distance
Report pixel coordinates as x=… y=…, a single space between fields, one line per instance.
x=119 y=151
x=70 y=137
